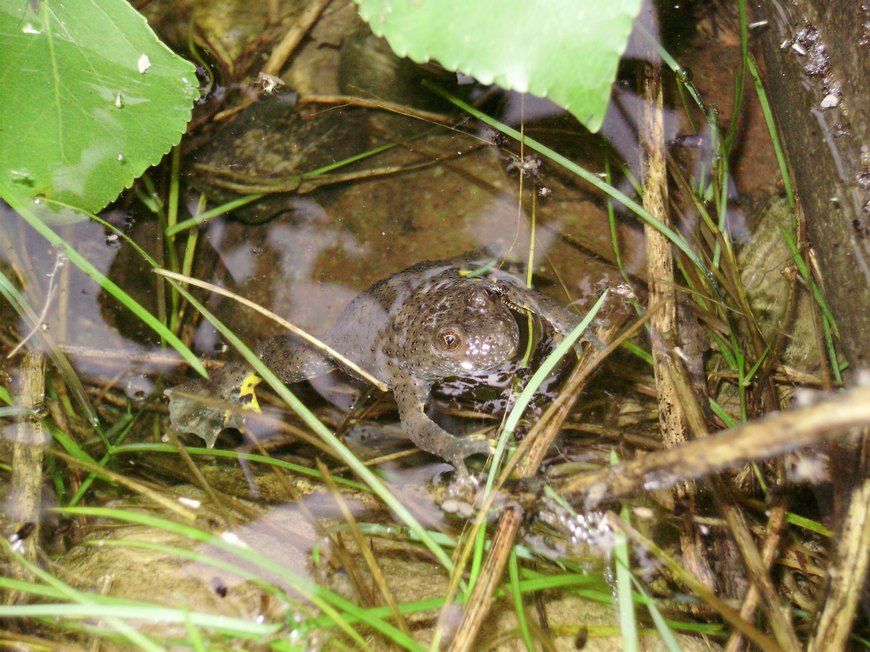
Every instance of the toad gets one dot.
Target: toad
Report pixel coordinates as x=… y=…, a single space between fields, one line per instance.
x=431 y=322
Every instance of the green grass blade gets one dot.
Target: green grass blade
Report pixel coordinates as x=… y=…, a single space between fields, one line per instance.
x=661 y=623
x=325 y=600
x=184 y=225
x=624 y=599
x=217 y=211
x=772 y=131
x=535 y=381
x=517 y=596
x=84 y=603
x=58 y=357
x=297 y=469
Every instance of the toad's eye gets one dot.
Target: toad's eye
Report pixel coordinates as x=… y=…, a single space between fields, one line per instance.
x=448 y=339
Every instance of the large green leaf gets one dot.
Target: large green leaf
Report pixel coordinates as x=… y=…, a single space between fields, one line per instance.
x=566 y=50
x=89 y=98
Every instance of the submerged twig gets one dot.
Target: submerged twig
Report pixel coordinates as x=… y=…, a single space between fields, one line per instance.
x=775 y=525
x=293 y=37
x=302 y=183
x=384 y=105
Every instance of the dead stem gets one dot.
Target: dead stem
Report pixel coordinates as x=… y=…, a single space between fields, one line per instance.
x=384 y=105
x=641 y=542
x=25 y=492
x=663 y=303
x=310 y=339
x=300 y=27
x=300 y=184
x=775 y=525
x=281 y=52
x=737 y=524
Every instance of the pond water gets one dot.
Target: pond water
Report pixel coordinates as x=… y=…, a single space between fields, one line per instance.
x=434 y=192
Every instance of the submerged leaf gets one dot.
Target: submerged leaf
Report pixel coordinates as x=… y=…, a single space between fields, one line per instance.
x=566 y=50
x=91 y=98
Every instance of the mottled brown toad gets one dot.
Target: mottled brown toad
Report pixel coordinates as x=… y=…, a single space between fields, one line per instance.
x=428 y=323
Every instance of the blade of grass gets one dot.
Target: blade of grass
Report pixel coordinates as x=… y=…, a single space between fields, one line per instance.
x=829 y=324
x=767 y=112
x=211 y=214
x=513 y=420
x=151 y=613
x=680 y=73
x=83 y=600
x=194 y=638
x=141 y=488
x=720 y=412
x=196 y=555
x=763 y=641
x=622 y=567
x=13 y=412
x=661 y=623
x=125 y=425
x=739 y=86
x=793 y=519
x=297 y=469
x=535 y=382
x=517 y=595
x=313 y=341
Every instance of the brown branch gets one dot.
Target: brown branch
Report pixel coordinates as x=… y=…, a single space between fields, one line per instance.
x=663 y=302
x=774 y=435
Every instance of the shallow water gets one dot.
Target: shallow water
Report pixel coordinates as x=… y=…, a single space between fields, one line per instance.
x=317 y=251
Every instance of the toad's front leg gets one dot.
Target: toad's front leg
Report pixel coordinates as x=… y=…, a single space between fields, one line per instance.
x=411 y=397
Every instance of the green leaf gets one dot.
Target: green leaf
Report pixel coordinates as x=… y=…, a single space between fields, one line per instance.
x=565 y=50
x=91 y=98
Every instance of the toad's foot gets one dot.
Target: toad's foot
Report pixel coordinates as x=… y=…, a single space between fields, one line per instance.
x=430 y=437
x=411 y=395
x=206 y=408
